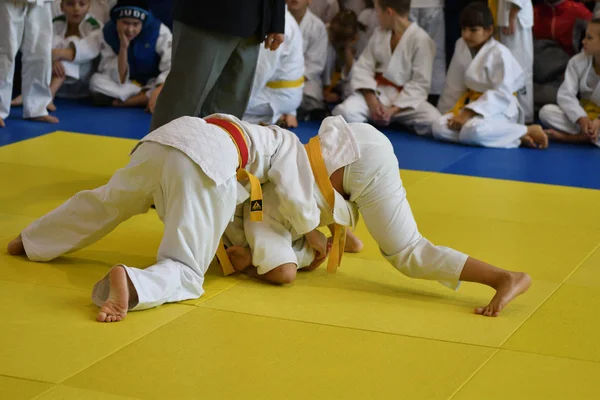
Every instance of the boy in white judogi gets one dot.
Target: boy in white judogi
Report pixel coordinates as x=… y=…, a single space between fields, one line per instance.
x=575 y=118
x=135 y=50
x=324 y=9
x=314 y=38
x=99 y=9
x=26 y=25
x=362 y=167
x=514 y=19
x=392 y=77
x=187 y=168
x=479 y=98
x=72 y=55
x=429 y=14
x=278 y=81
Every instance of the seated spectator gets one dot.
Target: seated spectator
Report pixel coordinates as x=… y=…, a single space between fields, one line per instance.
x=557 y=20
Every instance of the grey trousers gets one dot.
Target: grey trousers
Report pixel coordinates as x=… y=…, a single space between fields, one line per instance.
x=210 y=72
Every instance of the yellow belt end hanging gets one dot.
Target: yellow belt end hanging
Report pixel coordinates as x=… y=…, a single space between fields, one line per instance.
x=256 y=198
x=223 y=258
x=337 y=248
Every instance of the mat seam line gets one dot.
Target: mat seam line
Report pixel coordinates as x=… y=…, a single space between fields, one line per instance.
x=473 y=374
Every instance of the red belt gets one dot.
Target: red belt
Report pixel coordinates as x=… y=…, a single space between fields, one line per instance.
x=386 y=82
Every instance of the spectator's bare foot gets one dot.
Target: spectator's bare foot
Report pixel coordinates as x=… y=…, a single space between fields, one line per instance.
x=512 y=285
x=535 y=138
x=51 y=107
x=115 y=307
x=15 y=247
x=353 y=243
x=46 y=118
x=240 y=257
x=2 y=125
x=559 y=136
x=17 y=101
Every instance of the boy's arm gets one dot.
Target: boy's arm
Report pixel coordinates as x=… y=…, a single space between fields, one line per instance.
x=567 y=93
x=315 y=56
x=455 y=78
x=292 y=175
x=363 y=70
x=417 y=89
x=163 y=48
x=87 y=48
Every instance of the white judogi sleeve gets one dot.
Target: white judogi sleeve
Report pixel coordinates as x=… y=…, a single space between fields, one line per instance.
x=363 y=71
x=422 y=53
x=503 y=75
x=88 y=48
x=567 y=93
x=455 y=77
x=109 y=62
x=325 y=9
x=284 y=162
x=525 y=14
x=163 y=49
x=315 y=43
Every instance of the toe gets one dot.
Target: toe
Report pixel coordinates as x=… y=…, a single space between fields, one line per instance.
x=101 y=317
x=479 y=310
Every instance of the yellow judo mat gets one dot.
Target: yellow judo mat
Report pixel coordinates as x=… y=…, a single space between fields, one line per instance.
x=366 y=332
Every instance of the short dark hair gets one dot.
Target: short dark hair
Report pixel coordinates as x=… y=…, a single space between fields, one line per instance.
x=402 y=7
x=476 y=14
x=595 y=21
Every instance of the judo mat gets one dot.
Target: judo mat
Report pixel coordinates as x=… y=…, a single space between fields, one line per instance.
x=366 y=332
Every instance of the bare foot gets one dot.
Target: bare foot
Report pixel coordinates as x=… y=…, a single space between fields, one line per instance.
x=353 y=243
x=241 y=257
x=115 y=307
x=535 y=138
x=2 y=123
x=15 y=247
x=46 y=118
x=51 y=107
x=290 y=121
x=514 y=284
x=17 y=101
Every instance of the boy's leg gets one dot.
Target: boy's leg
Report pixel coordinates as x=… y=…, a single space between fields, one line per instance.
x=91 y=214
x=353 y=109
x=12 y=22
x=137 y=100
x=500 y=133
x=103 y=85
x=195 y=212
x=560 y=128
x=37 y=63
x=420 y=119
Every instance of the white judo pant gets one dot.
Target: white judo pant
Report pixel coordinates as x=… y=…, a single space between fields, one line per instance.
x=273 y=241
x=375 y=186
x=552 y=116
x=268 y=105
x=102 y=83
x=497 y=131
x=419 y=119
x=431 y=19
x=194 y=210
x=28 y=27
x=520 y=44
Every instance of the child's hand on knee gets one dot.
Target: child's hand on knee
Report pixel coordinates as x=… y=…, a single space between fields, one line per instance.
x=584 y=124
x=58 y=69
x=594 y=130
x=457 y=122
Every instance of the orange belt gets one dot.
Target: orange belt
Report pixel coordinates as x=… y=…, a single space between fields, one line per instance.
x=236 y=134
x=317 y=164
x=386 y=82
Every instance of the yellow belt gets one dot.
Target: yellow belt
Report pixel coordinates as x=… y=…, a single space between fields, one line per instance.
x=317 y=164
x=237 y=136
x=591 y=109
x=468 y=97
x=286 y=84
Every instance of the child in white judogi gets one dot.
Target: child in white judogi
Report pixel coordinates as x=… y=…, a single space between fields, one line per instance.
x=514 y=19
x=429 y=14
x=186 y=168
x=73 y=57
x=362 y=167
x=26 y=25
x=135 y=50
x=278 y=81
x=392 y=77
x=99 y=9
x=575 y=118
x=314 y=38
x=324 y=9
x=479 y=99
